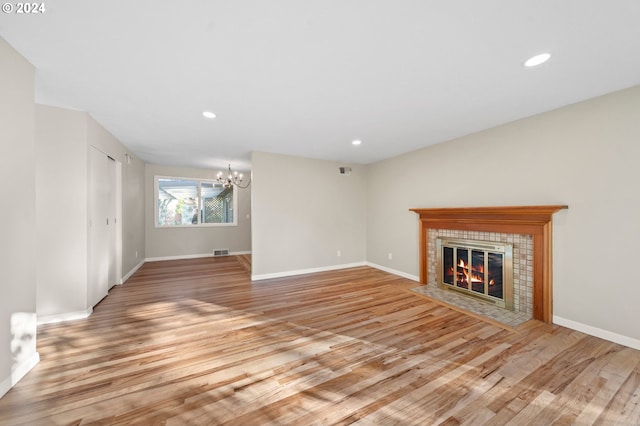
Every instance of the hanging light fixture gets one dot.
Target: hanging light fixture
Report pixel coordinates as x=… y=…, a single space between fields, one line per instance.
x=232 y=178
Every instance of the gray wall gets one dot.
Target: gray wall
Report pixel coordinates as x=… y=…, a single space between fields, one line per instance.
x=61 y=210
x=304 y=211
x=17 y=218
x=584 y=155
x=193 y=241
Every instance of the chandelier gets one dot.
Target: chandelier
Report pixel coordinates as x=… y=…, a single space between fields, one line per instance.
x=232 y=178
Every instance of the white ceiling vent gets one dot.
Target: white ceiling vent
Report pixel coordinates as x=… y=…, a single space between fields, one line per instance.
x=220 y=252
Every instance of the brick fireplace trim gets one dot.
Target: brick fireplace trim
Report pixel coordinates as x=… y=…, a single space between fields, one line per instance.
x=529 y=220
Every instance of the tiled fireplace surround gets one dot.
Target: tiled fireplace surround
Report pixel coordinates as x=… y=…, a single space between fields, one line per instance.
x=529 y=228
x=522 y=261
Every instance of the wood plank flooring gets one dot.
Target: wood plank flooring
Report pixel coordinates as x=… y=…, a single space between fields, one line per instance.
x=194 y=342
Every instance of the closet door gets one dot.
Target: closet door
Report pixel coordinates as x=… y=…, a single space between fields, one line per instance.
x=102 y=226
x=110 y=210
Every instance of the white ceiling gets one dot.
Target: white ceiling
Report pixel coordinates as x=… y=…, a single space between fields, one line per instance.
x=307 y=77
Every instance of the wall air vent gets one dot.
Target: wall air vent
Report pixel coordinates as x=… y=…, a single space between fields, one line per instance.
x=220 y=252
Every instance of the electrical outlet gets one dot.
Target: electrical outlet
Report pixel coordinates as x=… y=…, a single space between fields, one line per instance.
x=136 y=254
x=390 y=255
x=338 y=253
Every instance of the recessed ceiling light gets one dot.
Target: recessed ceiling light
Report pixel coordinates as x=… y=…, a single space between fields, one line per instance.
x=208 y=114
x=356 y=142
x=537 y=60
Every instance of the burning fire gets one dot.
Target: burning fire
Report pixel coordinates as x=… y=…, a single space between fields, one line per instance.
x=477 y=273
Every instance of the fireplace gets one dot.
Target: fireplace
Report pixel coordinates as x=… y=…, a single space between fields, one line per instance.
x=534 y=222
x=482 y=269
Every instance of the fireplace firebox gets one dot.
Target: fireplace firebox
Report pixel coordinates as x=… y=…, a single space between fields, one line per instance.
x=483 y=269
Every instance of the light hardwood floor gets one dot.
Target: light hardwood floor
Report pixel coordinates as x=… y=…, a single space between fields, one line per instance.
x=194 y=342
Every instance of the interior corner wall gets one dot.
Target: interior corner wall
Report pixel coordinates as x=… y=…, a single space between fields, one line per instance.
x=17 y=218
x=304 y=212
x=584 y=155
x=177 y=242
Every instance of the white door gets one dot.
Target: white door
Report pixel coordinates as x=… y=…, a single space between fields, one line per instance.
x=102 y=226
x=112 y=220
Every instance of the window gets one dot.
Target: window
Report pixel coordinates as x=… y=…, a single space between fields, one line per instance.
x=193 y=202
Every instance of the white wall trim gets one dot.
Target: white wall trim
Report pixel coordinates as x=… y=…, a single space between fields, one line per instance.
x=18 y=373
x=598 y=332
x=394 y=272
x=191 y=256
x=186 y=256
x=305 y=271
x=68 y=316
x=131 y=272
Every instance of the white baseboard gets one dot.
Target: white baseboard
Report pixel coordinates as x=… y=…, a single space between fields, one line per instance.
x=68 y=316
x=394 y=271
x=191 y=256
x=186 y=256
x=305 y=271
x=18 y=373
x=598 y=332
x=131 y=272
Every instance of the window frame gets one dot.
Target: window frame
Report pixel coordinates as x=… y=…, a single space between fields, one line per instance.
x=199 y=181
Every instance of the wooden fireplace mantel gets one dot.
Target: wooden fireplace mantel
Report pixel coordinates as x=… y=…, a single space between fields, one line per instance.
x=527 y=220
